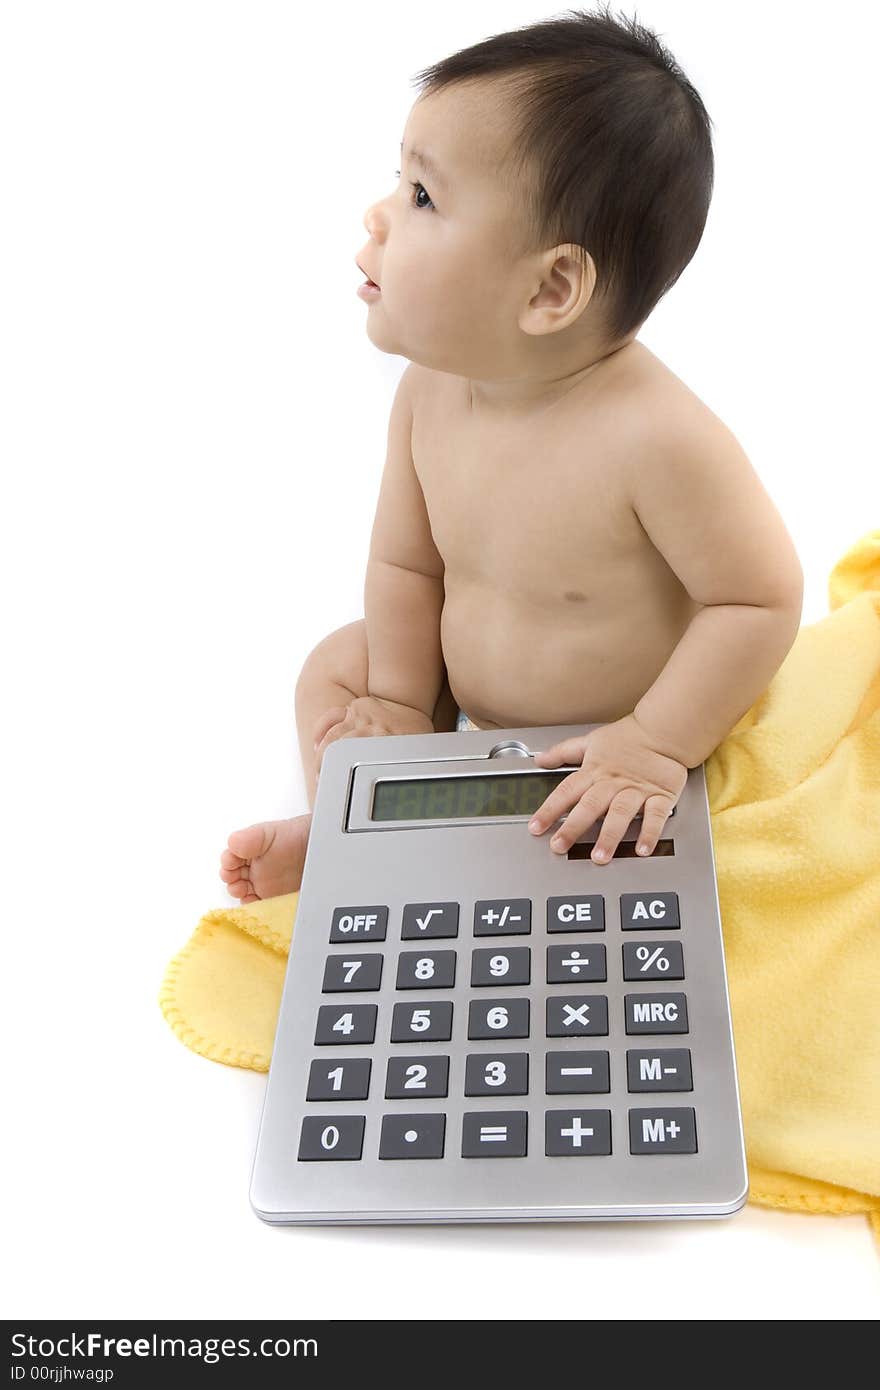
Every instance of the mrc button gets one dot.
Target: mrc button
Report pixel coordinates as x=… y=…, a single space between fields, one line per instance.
x=584 y=912
x=649 y=911
x=656 y=1013
x=359 y=924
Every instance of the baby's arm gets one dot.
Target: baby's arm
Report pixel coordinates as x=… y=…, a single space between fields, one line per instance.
x=403 y=590
x=707 y=512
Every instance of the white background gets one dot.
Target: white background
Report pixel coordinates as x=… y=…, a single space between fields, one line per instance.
x=193 y=432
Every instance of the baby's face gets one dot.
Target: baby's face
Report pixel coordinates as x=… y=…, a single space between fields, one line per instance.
x=443 y=244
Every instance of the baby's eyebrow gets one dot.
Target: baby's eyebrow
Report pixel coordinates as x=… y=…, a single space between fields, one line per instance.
x=422 y=158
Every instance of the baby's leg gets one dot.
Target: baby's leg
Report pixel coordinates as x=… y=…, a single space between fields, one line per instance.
x=266 y=860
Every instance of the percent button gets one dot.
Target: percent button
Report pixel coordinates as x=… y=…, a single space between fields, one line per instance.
x=653 y=960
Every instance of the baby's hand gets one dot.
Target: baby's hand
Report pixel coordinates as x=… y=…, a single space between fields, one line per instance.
x=367 y=717
x=621 y=772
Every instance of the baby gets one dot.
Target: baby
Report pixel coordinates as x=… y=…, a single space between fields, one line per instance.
x=565 y=533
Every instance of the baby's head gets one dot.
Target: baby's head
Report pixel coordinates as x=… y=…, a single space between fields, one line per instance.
x=554 y=183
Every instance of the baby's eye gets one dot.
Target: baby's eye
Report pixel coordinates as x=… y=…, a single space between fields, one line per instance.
x=420 y=206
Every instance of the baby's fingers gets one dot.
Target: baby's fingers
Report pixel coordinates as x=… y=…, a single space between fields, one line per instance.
x=326 y=721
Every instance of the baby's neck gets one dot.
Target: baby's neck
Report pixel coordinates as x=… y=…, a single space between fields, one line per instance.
x=528 y=394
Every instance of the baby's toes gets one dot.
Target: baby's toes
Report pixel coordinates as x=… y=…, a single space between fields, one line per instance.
x=241 y=888
x=251 y=842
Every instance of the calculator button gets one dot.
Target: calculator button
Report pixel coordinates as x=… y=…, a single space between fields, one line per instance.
x=662 y=1131
x=577 y=1073
x=575 y=963
x=577 y=1132
x=498 y=1018
x=583 y=912
x=573 y=1015
x=656 y=1013
x=666 y=1069
x=412 y=1136
x=649 y=911
x=429 y=919
x=346 y=1023
x=494 y=1134
x=495 y=966
x=359 y=924
x=331 y=1136
x=499 y=1074
x=426 y=970
x=502 y=916
x=410 y=1078
x=653 y=960
x=352 y=972
x=422 y=1022
x=339 y=1079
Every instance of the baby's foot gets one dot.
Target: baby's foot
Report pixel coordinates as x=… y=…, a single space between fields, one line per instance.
x=266 y=860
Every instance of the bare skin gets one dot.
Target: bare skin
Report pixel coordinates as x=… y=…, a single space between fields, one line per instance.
x=508 y=555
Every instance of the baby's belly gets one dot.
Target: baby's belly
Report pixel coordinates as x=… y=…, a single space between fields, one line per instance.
x=510 y=666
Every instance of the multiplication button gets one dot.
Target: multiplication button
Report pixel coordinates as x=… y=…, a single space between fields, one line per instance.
x=494 y=1134
x=412 y=1136
x=359 y=924
x=575 y=1015
x=649 y=911
x=583 y=912
x=502 y=917
x=662 y=1131
x=578 y=1133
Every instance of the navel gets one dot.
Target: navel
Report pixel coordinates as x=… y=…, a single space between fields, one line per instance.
x=574 y=596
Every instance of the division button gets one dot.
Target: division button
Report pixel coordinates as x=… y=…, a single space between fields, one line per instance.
x=581 y=912
x=577 y=1132
x=662 y=1131
x=331 y=1136
x=412 y=1136
x=359 y=924
x=494 y=1134
x=576 y=964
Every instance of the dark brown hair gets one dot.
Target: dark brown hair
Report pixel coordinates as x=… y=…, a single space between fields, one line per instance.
x=611 y=145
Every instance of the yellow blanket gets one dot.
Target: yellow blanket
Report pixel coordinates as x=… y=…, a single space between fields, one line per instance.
x=794 y=792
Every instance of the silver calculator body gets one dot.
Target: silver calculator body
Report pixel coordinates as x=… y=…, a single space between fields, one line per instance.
x=476 y=1028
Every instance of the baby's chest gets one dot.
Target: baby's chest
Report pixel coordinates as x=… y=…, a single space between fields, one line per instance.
x=544 y=517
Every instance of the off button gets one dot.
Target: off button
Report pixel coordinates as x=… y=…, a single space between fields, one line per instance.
x=359 y=924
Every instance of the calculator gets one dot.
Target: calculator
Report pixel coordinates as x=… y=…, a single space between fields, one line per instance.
x=474 y=1027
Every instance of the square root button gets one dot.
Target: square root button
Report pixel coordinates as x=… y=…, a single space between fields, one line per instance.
x=662 y=1131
